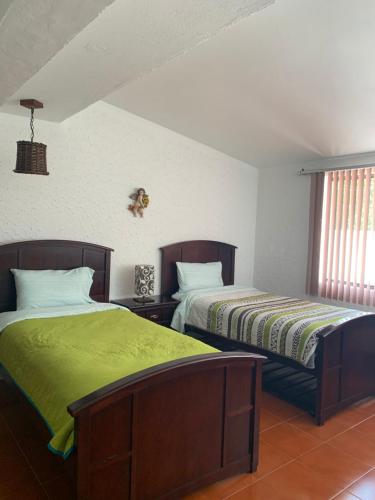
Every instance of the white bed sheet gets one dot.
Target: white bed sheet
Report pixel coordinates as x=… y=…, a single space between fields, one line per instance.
x=9 y=317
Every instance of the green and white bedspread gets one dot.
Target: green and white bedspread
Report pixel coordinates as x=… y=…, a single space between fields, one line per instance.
x=58 y=355
x=283 y=325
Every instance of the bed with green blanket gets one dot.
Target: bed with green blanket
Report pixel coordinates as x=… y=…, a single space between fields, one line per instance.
x=59 y=355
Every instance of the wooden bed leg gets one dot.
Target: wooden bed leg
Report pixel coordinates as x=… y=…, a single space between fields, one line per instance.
x=320 y=365
x=319 y=419
x=257 y=391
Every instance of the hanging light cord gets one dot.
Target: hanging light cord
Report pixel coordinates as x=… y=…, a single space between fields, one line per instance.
x=32 y=124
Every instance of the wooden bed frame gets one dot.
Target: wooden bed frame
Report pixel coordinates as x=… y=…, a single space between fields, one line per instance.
x=162 y=432
x=345 y=358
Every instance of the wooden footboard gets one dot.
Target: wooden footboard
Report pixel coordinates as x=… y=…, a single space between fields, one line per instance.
x=168 y=430
x=345 y=366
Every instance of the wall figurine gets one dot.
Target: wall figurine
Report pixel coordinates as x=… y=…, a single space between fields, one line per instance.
x=141 y=201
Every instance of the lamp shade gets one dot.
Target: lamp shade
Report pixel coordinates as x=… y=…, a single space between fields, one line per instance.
x=144 y=280
x=31 y=158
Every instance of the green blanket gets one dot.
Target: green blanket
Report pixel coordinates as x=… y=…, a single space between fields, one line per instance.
x=56 y=361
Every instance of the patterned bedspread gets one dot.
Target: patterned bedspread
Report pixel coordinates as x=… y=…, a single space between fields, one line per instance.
x=284 y=325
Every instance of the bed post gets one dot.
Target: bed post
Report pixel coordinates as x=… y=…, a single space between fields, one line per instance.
x=345 y=366
x=320 y=367
x=257 y=391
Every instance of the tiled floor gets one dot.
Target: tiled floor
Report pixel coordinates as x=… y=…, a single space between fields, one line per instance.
x=298 y=460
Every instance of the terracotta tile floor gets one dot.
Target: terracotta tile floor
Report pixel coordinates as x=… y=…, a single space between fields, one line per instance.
x=298 y=461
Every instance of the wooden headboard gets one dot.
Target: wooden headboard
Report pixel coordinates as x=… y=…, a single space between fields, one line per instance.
x=195 y=251
x=53 y=254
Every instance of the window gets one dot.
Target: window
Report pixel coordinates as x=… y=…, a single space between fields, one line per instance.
x=343 y=230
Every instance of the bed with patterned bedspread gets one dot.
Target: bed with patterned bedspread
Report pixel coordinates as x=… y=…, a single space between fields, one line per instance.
x=282 y=325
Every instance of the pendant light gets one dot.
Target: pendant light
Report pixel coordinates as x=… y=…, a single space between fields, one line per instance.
x=31 y=156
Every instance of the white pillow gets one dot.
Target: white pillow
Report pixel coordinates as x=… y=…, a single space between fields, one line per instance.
x=51 y=288
x=193 y=276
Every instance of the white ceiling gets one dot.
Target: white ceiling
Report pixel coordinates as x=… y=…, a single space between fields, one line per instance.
x=32 y=32
x=129 y=39
x=289 y=84
x=292 y=83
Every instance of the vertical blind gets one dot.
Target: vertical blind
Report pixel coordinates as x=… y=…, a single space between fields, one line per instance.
x=347 y=236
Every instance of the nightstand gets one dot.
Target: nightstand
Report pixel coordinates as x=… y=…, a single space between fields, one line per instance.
x=160 y=311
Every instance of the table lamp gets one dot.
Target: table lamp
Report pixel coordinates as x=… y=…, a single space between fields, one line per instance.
x=144 y=283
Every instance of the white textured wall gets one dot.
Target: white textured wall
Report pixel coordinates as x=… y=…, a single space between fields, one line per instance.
x=282 y=231
x=96 y=159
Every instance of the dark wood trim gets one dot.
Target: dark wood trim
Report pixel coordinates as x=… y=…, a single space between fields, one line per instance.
x=195 y=251
x=53 y=254
x=50 y=243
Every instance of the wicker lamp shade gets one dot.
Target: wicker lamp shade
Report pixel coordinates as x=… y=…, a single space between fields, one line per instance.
x=31 y=158
x=144 y=281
